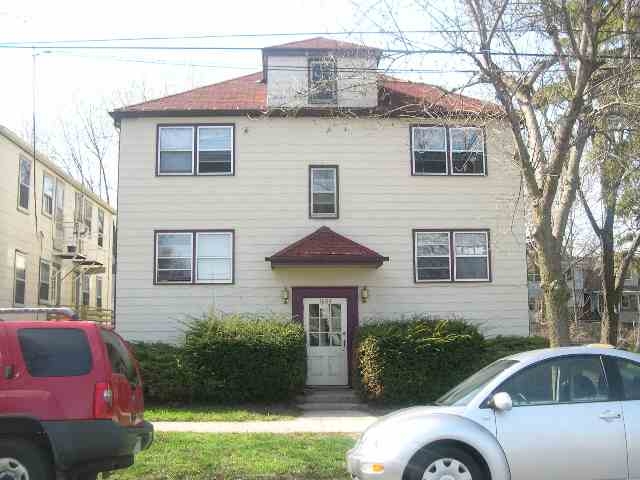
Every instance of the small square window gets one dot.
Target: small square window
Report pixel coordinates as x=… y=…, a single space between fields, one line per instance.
x=429 y=150
x=323 y=194
x=175 y=150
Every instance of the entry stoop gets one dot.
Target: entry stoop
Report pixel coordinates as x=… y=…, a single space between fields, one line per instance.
x=329 y=399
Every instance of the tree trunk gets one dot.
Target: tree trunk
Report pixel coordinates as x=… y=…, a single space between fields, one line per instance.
x=610 y=295
x=555 y=289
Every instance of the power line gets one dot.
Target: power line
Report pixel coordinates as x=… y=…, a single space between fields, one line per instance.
x=289 y=34
x=432 y=51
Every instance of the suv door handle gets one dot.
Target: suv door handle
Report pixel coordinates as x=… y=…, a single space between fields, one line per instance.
x=609 y=415
x=8 y=372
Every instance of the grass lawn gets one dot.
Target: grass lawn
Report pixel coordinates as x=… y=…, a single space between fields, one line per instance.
x=207 y=456
x=216 y=413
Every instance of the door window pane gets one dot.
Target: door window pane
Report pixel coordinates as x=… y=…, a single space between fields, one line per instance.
x=429 y=150
x=214 y=257
x=432 y=256
x=175 y=150
x=563 y=380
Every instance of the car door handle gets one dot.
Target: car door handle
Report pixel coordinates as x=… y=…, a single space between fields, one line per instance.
x=609 y=415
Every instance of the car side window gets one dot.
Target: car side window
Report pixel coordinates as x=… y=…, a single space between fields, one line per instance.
x=119 y=357
x=575 y=379
x=630 y=378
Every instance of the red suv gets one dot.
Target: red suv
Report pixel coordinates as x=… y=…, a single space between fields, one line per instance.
x=71 y=402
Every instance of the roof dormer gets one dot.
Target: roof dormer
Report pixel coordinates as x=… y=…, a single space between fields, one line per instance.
x=321 y=73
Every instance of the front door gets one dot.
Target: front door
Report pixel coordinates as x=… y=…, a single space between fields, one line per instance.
x=325 y=325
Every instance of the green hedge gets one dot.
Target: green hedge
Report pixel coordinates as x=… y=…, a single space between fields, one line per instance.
x=418 y=360
x=245 y=359
x=227 y=359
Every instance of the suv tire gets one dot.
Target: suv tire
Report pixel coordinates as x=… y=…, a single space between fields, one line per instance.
x=19 y=454
x=443 y=462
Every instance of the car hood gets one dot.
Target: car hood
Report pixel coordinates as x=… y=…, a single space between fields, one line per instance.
x=411 y=414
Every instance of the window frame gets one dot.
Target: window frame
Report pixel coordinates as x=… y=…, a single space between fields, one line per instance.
x=58 y=212
x=41 y=300
x=87 y=290
x=484 y=150
x=195 y=164
x=46 y=176
x=100 y=235
x=447 y=161
x=197 y=150
x=448 y=152
x=310 y=96
x=193 y=233
x=336 y=201
x=99 y=286
x=196 y=257
x=21 y=159
x=55 y=284
x=452 y=256
x=455 y=256
x=415 y=258
x=16 y=254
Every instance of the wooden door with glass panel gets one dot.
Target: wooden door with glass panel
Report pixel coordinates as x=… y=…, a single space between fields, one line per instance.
x=325 y=324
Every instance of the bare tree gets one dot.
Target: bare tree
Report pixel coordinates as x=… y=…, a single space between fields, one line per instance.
x=541 y=59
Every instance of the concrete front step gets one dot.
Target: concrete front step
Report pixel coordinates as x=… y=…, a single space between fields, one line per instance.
x=328 y=396
x=331 y=406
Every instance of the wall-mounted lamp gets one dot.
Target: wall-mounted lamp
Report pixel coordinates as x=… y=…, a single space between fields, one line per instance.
x=364 y=294
x=284 y=295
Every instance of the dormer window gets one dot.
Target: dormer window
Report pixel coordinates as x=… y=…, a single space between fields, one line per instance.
x=323 y=85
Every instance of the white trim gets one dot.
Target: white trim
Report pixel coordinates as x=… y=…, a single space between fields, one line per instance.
x=334 y=214
x=215 y=174
x=167 y=127
x=413 y=151
x=415 y=255
x=484 y=153
x=229 y=258
x=455 y=256
x=156 y=269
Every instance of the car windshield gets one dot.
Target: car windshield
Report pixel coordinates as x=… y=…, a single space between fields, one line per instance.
x=462 y=393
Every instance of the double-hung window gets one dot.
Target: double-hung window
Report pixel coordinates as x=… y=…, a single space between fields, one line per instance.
x=451 y=255
x=429 y=151
x=194 y=257
x=48 y=194
x=88 y=217
x=20 y=278
x=86 y=290
x=439 y=150
x=59 y=212
x=195 y=150
x=323 y=192
x=323 y=83
x=100 y=228
x=467 y=151
x=24 y=187
x=44 y=286
x=98 y=292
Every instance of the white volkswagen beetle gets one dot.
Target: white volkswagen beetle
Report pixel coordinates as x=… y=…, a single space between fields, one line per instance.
x=556 y=414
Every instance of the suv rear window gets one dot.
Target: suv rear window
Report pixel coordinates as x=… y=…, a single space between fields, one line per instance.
x=55 y=352
x=119 y=356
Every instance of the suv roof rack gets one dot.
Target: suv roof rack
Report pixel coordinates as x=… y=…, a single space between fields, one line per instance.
x=64 y=311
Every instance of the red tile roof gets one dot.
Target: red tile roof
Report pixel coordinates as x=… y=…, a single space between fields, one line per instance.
x=324 y=246
x=248 y=93
x=322 y=43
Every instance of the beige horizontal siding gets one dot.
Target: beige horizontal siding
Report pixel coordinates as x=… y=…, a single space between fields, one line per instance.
x=266 y=203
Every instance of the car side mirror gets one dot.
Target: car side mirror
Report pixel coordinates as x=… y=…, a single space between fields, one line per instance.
x=501 y=402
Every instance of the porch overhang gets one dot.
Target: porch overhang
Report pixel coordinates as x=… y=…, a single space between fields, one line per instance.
x=326 y=248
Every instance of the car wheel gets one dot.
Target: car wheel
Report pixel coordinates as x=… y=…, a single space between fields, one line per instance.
x=443 y=463
x=24 y=460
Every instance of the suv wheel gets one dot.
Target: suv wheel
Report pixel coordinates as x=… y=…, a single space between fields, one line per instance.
x=23 y=460
x=442 y=463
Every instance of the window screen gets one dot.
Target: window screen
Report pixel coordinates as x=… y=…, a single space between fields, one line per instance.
x=55 y=352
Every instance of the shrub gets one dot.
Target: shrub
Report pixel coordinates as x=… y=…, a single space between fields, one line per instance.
x=414 y=361
x=501 y=346
x=244 y=358
x=164 y=377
